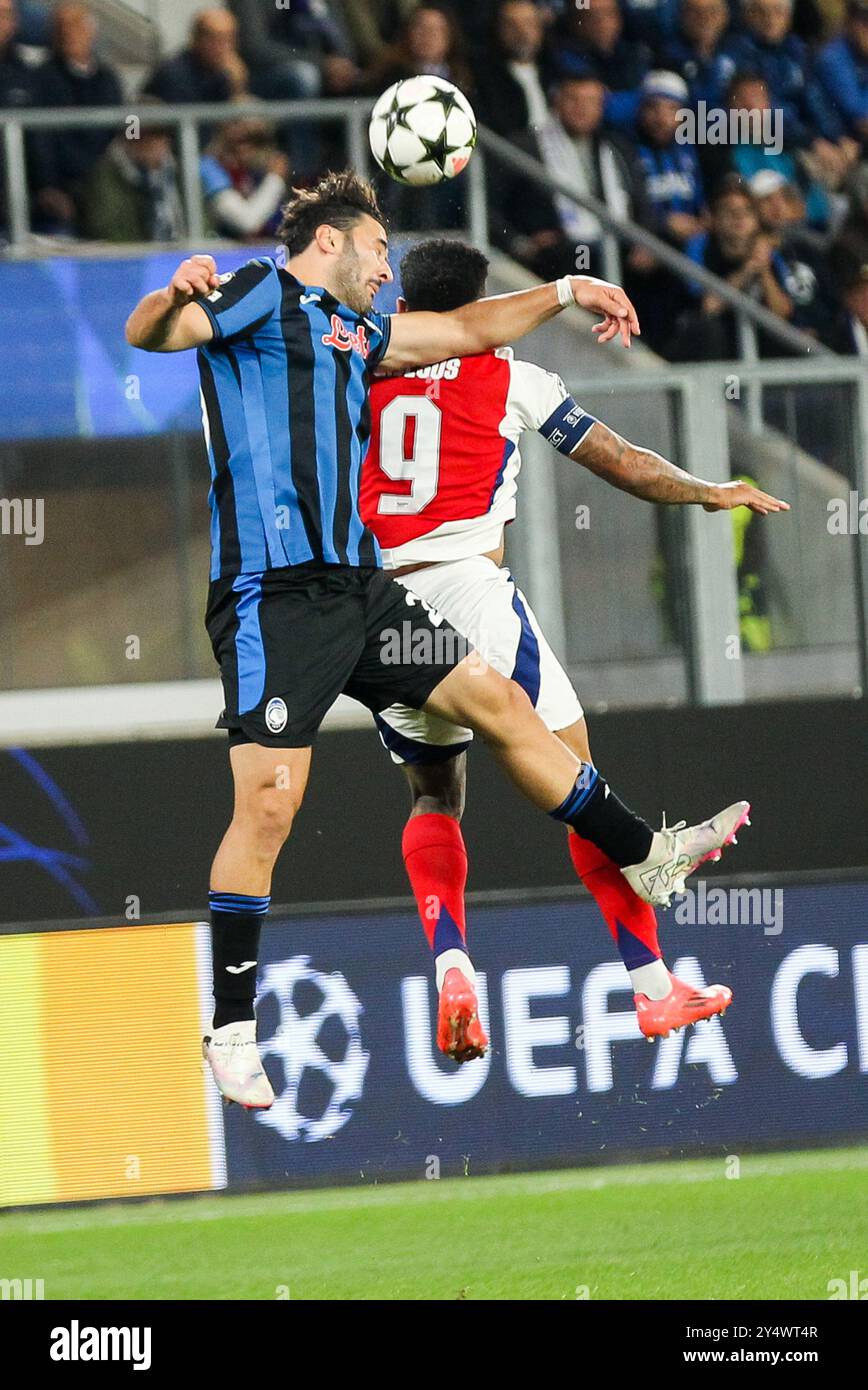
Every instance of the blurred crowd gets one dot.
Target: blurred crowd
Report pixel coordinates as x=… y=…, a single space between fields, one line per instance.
x=736 y=132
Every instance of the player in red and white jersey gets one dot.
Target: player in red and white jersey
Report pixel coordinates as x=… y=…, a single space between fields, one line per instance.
x=438 y=488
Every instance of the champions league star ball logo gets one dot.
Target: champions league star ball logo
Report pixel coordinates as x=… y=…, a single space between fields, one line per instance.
x=318 y=1046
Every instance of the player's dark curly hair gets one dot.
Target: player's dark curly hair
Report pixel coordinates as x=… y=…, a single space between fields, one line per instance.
x=441 y=274
x=340 y=199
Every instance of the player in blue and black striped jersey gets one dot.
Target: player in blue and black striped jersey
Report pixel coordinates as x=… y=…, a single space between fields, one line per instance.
x=298 y=608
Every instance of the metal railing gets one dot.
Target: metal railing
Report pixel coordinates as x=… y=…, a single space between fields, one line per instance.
x=353 y=114
x=712 y=597
x=749 y=315
x=186 y=120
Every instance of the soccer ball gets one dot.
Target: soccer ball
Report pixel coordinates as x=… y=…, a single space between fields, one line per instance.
x=422 y=131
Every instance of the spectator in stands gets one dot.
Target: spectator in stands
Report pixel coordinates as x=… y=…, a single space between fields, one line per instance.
x=17 y=86
x=294 y=51
x=303 y=49
x=17 y=80
x=736 y=249
x=72 y=76
x=479 y=20
x=650 y=21
x=510 y=91
x=244 y=180
x=430 y=42
x=849 y=264
x=675 y=203
x=769 y=48
x=372 y=24
x=799 y=262
x=842 y=71
x=209 y=69
x=854 y=223
x=673 y=179
x=132 y=194
x=591 y=39
x=551 y=235
x=696 y=50
x=752 y=147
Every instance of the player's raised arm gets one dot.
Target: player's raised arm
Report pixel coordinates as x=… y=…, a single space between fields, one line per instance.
x=645 y=474
x=170 y=320
x=421 y=338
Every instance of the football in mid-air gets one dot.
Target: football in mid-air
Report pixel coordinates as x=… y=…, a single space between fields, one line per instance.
x=422 y=131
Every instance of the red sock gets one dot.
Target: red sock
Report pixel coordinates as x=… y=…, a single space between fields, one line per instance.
x=436 y=862
x=632 y=922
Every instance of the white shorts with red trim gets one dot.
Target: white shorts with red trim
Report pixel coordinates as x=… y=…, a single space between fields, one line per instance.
x=483 y=602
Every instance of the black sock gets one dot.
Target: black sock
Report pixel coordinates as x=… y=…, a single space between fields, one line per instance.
x=595 y=813
x=236 y=921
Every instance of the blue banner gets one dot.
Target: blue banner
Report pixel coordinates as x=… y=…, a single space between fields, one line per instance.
x=347 y=1018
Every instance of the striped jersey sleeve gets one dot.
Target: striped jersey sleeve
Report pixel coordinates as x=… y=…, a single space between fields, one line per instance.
x=380 y=331
x=244 y=300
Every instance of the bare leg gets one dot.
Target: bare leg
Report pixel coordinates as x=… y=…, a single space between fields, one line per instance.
x=269 y=788
x=438 y=788
x=576 y=739
x=499 y=710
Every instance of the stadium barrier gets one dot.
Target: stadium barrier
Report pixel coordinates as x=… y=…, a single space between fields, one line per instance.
x=127 y=830
x=104 y=1093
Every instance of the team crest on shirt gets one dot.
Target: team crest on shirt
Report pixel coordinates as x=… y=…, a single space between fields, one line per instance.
x=276 y=715
x=345 y=339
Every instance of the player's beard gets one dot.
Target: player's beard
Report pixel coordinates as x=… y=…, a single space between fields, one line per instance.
x=349 y=286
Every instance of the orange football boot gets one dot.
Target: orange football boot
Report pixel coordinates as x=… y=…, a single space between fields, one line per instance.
x=683 y=1005
x=459 y=1032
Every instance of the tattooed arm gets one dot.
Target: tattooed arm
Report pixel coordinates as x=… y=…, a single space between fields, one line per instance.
x=645 y=474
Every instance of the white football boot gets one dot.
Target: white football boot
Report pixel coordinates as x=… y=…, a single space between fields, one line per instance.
x=233 y=1057
x=679 y=849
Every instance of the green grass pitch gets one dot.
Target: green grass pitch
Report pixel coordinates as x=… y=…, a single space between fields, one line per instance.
x=784 y=1228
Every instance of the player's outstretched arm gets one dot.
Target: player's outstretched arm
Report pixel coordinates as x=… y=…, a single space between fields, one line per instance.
x=418 y=339
x=169 y=320
x=645 y=474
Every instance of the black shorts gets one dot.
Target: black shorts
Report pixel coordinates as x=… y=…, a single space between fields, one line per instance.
x=289 y=641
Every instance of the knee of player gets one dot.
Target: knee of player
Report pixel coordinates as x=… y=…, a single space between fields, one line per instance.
x=499 y=709
x=509 y=702
x=270 y=811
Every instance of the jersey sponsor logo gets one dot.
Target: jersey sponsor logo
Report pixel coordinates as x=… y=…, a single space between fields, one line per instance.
x=556 y=437
x=345 y=339
x=309 y=298
x=276 y=715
